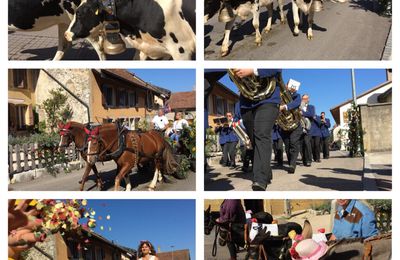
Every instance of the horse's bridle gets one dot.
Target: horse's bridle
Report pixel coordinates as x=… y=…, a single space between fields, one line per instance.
x=67 y=133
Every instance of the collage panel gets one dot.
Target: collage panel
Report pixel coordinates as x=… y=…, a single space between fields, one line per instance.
x=101 y=30
x=298 y=129
x=43 y=229
x=102 y=129
x=298 y=30
x=297 y=229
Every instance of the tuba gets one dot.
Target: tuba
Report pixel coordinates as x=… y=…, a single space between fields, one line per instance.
x=253 y=87
x=287 y=120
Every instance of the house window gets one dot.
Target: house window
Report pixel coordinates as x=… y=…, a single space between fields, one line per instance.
x=108 y=93
x=132 y=99
x=149 y=100
x=20 y=79
x=121 y=98
x=20 y=117
x=220 y=106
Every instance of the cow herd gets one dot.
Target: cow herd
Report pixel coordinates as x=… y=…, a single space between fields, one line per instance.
x=228 y=10
x=157 y=29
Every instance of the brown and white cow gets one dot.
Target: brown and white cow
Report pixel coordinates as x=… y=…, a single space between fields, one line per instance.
x=37 y=15
x=230 y=9
x=306 y=7
x=159 y=29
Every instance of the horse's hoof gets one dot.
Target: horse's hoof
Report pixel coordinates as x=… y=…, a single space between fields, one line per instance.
x=295 y=34
x=258 y=44
x=224 y=53
x=310 y=37
x=267 y=30
x=283 y=22
x=150 y=189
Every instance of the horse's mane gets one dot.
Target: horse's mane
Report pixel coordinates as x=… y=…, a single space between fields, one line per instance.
x=345 y=241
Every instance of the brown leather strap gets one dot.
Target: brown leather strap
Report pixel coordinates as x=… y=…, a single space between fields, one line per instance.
x=261 y=252
x=367 y=251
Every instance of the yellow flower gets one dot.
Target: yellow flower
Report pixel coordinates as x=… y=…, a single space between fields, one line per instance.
x=84 y=202
x=193 y=149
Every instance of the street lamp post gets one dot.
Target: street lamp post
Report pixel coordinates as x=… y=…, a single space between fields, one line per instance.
x=172 y=252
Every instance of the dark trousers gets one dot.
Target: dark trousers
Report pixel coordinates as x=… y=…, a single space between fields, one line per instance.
x=229 y=152
x=292 y=144
x=315 y=144
x=259 y=123
x=278 y=150
x=325 y=147
x=306 y=150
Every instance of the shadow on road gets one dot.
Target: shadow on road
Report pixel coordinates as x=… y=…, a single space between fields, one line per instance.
x=366 y=5
x=331 y=183
x=342 y=171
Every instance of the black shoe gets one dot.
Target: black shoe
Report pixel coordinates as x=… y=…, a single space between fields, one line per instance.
x=247 y=169
x=291 y=169
x=318 y=161
x=233 y=166
x=257 y=187
x=307 y=164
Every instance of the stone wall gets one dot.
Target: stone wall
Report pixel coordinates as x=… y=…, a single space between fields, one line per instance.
x=376 y=120
x=76 y=80
x=48 y=246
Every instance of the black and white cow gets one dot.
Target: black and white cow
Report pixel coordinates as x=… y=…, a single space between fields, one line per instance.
x=37 y=15
x=157 y=28
x=243 y=9
x=305 y=7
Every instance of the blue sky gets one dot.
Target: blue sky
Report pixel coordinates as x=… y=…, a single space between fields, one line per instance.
x=176 y=80
x=328 y=87
x=164 y=223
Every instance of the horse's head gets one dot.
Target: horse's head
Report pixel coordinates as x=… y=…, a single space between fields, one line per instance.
x=65 y=136
x=210 y=218
x=93 y=144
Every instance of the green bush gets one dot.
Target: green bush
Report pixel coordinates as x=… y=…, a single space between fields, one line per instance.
x=383 y=214
x=325 y=207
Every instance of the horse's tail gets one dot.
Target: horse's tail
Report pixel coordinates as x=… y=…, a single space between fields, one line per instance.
x=169 y=160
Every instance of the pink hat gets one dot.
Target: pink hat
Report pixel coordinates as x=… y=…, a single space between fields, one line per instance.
x=308 y=249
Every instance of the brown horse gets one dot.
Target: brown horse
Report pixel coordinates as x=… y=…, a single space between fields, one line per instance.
x=137 y=149
x=73 y=132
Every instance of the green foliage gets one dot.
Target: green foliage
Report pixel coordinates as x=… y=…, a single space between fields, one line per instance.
x=143 y=125
x=211 y=142
x=383 y=213
x=188 y=139
x=183 y=166
x=56 y=108
x=47 y=144
x=325 y=207
x=386 y=7
x=355 y=132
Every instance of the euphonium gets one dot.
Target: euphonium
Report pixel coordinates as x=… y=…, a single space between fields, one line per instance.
x=288 y=120
x=254 y=87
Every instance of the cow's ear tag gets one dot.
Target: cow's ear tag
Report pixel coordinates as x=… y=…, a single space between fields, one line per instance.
x=97 y=12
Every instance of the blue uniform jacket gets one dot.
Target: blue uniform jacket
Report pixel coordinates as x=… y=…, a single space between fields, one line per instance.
x=226 y=135
x=276 y=133
x=315 y=121
x=356 y=221
x=325 y=128
x=296 y=101
x=275 y=98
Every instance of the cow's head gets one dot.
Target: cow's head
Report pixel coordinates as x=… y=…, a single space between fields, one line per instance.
x=88 y=19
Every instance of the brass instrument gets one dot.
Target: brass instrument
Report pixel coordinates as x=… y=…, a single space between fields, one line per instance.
x=288 y=120
x=242 y=135
x=254 y=87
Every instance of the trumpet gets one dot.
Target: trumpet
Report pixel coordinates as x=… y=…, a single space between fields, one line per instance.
x=241 y=134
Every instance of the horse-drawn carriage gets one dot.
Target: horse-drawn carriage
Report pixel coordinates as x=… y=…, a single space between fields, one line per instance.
x=129 y=149
x=280 y=246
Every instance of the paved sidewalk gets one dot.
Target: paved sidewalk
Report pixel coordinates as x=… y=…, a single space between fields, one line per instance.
x=42 y=45
x=339 y=172
x=378 y=171
x=69 y=181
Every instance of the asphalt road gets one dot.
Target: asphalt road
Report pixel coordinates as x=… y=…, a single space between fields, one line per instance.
x=342 y=31
x=69 y=181
x=339 y=172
